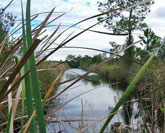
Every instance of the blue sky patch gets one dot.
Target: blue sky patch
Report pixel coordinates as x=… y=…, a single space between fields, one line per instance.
x=66 y=0
x=88 y=4
x=71 y=24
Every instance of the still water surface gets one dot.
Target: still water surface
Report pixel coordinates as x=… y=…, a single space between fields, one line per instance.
x=96 y=104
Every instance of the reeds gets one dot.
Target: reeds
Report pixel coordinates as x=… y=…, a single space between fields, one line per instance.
x=24 y=72
x=129 y=89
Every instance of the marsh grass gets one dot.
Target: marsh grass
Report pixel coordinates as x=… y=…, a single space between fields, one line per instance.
x=25 y=72
x=113 y=73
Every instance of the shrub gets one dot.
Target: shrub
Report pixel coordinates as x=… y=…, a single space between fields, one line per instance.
x=112 y=73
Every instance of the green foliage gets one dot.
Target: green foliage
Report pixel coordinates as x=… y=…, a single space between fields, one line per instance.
x=124 y=22
x=151 y=87
x=115 y=71
x=121 y=22
x=96 y=59
x=9 y=120
x=83 y=62
x=46 y=76
x=7 y=21
x=26 y=82
x=73 y=61
x=149 y=43
x=112 y=73
x=161 y=54
x=95 y=79
x=33 y=72
x=129 y=90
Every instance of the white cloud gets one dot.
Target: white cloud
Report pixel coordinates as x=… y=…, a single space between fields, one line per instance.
x=155 y=21
x=82 y=9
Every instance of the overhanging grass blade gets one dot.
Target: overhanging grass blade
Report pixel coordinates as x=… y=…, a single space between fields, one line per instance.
x=17 y=69
x=51 y=88
x=7 y=6
x=129 y=90
x=4 y=42
x=34 y=77
x=67 y=102
x=6 y=57
x=16 y=100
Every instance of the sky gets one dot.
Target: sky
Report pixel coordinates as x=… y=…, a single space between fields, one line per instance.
x=78 y=10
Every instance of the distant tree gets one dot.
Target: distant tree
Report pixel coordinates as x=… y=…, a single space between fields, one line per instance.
x=7 y=20
x=46 y=77
x=96 y=59
x=161 y=53
x=85 y=62
x=73 y=61
x=150 y=42
x=70 y=57
x=125 y=22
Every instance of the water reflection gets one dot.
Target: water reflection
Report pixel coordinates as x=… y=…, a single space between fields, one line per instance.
x=96 y=104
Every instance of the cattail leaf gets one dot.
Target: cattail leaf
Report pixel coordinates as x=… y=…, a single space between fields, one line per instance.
x=26 y=83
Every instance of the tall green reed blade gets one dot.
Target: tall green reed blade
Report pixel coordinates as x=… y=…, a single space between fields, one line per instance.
x=34 y=77
x=9 y=120
x=26 y=81
x=27 y=85
x=23 y=100
x=128 y=90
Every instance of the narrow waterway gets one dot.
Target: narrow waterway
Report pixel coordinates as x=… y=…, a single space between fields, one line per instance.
x=86 y=109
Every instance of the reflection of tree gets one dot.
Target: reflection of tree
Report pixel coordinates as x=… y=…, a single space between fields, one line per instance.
x=70 y=76
x=94 y=79
x=127 y=111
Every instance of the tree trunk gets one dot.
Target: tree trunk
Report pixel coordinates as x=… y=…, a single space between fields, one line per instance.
x=129 y=52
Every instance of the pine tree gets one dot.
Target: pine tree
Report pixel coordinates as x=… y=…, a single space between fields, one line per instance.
x=125 y=22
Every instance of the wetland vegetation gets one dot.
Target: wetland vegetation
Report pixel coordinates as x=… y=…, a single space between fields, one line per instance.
x=119 y=90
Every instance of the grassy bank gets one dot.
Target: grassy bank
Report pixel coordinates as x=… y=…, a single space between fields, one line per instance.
x=48 y=71
x=113 y=73
x=117 y=72
x=27 y=79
